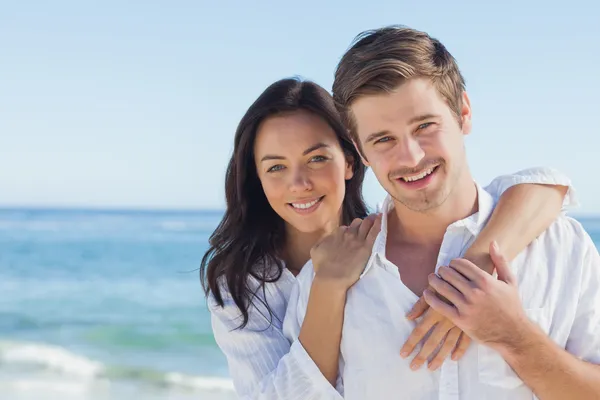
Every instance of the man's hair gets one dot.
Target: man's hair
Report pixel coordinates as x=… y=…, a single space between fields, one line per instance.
x=380 y=60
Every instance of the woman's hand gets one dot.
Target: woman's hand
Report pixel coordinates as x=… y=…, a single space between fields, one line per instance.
x=341 y=257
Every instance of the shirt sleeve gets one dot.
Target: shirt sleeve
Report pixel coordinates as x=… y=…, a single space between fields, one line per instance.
x=538 y=175
x=584 y=338
x=263 y=363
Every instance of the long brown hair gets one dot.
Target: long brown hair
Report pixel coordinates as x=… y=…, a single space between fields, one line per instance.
x=251 y=235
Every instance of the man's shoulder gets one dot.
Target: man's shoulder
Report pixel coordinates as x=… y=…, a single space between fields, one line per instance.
x=566 y=236
x=565 y=228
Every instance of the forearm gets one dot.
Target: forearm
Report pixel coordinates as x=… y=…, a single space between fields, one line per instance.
x=521 y=215
x=321 y=331
x=551 y=372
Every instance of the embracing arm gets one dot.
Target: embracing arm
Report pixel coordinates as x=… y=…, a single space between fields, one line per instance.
x=263 y=363
x=321 y=332
x=521 y=215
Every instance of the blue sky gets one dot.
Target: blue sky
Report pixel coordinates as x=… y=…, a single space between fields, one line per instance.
x=134 y=104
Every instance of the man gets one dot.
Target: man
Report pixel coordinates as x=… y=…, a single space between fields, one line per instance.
x=536 y=324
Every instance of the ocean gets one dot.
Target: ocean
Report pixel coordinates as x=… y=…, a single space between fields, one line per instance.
x=108 y=305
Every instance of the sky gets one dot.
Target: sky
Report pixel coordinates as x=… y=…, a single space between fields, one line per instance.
x=134 y=104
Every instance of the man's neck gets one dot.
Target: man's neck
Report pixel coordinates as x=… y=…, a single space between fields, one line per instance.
x=428 y=228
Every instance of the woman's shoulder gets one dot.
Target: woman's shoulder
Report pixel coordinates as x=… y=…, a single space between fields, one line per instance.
x=269 y=292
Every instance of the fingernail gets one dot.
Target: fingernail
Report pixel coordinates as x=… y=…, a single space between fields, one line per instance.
x=414 y=367
x=495 y=245
x=404 y=354
x=431 y=366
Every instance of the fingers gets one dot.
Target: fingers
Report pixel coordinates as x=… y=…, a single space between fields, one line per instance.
x=447 y=310
x=450 y=275
x=418 y=334
x=502 y=265
x=446 y=288
x=450 y=342
x=374 y=231
x=418 y=309
x=463 y=344
x=354 y=226
x=469 y=270
x=433 y=341
x=365 y=227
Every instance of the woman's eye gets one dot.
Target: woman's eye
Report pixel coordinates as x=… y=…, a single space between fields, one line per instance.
x=276 y=168
x=318 y=159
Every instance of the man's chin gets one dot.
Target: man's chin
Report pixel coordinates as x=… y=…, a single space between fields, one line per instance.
x=425 y=203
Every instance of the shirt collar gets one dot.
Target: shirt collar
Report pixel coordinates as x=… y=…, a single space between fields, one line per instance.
x=473 y=223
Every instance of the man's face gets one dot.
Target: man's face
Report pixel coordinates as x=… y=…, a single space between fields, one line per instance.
x=414 y=142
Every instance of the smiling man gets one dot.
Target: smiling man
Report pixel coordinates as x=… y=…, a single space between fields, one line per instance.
x=536 y=324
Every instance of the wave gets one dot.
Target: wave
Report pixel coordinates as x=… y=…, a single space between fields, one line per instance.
x=128 y=337
x=59 y=360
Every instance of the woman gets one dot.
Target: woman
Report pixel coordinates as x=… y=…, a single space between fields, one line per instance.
x=294 y=176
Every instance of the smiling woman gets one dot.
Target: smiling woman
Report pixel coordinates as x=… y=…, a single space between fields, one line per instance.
x=302 y=167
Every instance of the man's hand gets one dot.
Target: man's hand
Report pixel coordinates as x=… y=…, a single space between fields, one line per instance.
x=487 y=309
x=340 y=257
x=444 y=331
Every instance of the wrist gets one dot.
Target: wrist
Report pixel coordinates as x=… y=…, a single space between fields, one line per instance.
x=330 y=285
x=481 y=258
x=519 y=342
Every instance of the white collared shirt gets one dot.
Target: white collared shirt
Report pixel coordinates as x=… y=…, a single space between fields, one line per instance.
x=559 y=285
x=265 y=363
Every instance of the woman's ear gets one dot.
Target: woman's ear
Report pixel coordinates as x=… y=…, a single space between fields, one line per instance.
x=349 y=168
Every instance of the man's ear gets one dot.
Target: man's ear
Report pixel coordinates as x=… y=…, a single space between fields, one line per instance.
x=360 y=153
x=466 y=114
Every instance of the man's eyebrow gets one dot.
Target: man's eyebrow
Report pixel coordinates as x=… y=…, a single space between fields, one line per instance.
x=421 y=118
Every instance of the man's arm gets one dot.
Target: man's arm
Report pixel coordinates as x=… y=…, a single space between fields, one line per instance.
x=490 y=311
x=551 y=372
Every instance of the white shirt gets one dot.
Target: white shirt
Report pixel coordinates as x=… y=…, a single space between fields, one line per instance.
x=559 y=280
x=265 y=363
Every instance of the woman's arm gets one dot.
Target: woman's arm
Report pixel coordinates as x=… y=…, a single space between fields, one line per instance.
x=263 y=363
x=521 y=215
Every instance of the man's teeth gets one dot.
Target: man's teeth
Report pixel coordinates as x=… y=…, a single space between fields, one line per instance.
x=417 y=177
x=305 y=205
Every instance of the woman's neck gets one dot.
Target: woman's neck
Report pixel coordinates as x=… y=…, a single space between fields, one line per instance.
x=298 y=245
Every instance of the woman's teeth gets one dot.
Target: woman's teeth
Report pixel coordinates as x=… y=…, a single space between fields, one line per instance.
x=417 y=177
x=305 y=205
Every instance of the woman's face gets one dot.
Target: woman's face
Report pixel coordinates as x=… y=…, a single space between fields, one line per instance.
x=302 y=169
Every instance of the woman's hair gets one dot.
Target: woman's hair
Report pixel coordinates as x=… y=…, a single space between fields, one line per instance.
x=249 y=239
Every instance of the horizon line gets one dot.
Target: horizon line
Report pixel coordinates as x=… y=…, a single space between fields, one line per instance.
x=123 y=208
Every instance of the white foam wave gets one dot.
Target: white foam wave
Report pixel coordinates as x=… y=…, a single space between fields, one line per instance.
x=49 y=357
x=85 y=371
x=198 y=382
